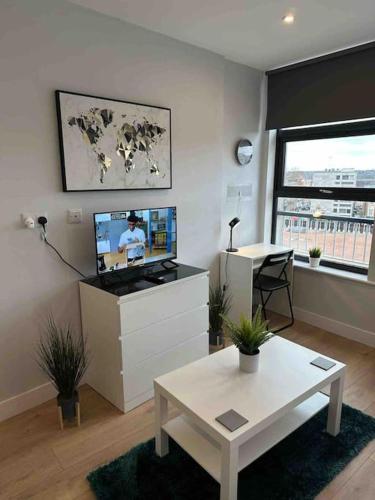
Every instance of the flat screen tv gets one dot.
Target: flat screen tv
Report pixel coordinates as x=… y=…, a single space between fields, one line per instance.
x=132 y=238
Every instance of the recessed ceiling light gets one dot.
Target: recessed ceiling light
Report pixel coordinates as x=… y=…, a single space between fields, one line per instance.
x=288 y=18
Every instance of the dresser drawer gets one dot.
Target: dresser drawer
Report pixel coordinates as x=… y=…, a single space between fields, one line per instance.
x=156 y=338
x=140 y=380
x=164 y=302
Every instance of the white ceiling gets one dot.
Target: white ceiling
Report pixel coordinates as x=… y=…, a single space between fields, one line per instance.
x=251 y=31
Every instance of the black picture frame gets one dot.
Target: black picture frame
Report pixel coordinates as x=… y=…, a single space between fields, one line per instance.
x=63 y=162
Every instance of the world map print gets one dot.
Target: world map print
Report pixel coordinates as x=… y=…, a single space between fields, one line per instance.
x=122 y=146
x=131 y=137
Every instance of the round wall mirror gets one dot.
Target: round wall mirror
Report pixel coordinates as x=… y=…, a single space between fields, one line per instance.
x=244 y=151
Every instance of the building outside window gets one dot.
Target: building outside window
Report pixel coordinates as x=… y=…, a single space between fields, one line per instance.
x=324 y=192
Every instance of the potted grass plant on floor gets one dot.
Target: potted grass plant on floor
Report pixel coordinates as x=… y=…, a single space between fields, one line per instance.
x=219 y=306
x=63 y=357
x=248 y=336
x=314 y=256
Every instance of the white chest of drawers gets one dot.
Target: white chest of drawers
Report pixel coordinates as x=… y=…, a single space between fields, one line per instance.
x=137 y=337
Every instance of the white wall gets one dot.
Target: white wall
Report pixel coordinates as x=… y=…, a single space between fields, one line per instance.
x=241 y=119
x=51 y=44
x=339 y=305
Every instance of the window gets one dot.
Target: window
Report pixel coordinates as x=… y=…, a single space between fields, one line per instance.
x=324 y=192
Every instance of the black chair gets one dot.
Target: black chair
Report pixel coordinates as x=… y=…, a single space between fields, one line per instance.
x=270 y=284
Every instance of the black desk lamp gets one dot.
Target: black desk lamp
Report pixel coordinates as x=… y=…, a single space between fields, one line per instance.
x=232 y=223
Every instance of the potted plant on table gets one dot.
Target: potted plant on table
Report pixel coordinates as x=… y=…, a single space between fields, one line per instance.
x=248 y=336
x=219 y=306
x=63 y=357
x=314 y=256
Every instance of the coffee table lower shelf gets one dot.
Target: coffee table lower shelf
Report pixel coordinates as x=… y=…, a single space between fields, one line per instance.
x=207 y=453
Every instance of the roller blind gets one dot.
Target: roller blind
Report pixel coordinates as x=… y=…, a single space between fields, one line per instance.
x=336 y=87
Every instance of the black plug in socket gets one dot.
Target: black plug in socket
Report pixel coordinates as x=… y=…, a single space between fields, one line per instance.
x=42 y=221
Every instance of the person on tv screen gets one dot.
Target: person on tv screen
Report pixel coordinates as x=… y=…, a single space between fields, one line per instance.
x=133 y=235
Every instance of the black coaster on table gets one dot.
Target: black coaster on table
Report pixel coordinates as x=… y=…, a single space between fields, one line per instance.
x=231 y=420
x=323 y=363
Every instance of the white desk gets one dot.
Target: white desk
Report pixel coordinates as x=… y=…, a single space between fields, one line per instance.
x=236 y=271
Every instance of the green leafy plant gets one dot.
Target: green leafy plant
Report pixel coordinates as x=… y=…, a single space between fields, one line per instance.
x=250 y=334
x=63 y=357
x=315 y=253
x=219 y=305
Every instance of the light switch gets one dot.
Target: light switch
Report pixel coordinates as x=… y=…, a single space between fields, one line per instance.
x=75 y=216
x=243 y=191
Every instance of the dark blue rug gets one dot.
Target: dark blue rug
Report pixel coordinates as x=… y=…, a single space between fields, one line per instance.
x=298 y=468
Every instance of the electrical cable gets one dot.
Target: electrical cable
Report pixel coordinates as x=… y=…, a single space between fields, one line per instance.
x=61 y=257
x=42 y=220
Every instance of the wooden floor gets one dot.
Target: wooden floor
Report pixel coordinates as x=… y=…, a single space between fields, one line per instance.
x=39 y=461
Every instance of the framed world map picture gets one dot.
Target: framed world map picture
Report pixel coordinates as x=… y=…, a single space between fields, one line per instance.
x=108 y=144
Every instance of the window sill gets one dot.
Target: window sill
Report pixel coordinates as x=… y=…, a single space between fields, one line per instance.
x=337 y=273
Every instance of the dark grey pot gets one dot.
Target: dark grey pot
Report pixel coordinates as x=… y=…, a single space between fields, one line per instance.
x=216 y=338
x=68 y=406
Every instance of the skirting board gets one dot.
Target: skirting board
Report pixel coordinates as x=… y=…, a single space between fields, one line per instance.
x=26 y=400
x=336 y=327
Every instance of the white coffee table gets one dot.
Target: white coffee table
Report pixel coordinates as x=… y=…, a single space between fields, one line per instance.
x=276 y=400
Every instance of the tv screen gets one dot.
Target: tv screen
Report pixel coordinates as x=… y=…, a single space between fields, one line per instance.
x=134 y=238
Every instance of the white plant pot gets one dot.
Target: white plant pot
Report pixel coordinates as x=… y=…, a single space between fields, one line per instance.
x=249 y=362
x=314 y=261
